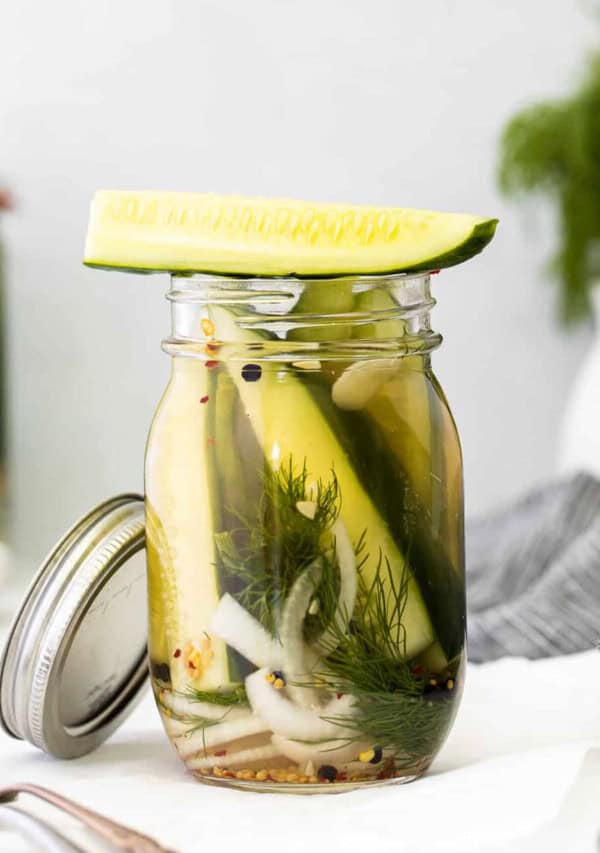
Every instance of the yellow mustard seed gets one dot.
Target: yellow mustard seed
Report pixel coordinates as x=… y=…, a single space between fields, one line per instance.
x=450 y=684
x=366 y=756
x=261 y=776
x=207 y=327
x=279 y=683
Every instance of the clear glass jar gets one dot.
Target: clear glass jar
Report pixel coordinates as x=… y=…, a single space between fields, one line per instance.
x=305 y=533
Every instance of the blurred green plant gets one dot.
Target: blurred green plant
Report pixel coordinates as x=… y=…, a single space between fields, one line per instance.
x=553 y=148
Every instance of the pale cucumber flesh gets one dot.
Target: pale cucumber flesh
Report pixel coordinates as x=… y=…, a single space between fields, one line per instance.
x=273 y=237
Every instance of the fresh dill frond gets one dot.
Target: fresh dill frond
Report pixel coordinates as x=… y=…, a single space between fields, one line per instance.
x=394 y=705
x=195 y=722
x=265 y=554
x=225 y=699
x=371 y=654
x=235 y=696
x=413 y=727
x=198 y=723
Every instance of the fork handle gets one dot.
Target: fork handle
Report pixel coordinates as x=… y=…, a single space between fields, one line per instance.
x=121 y=836
x=37 y=831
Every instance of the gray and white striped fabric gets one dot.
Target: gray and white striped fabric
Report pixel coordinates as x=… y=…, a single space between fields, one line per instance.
x=533 y=574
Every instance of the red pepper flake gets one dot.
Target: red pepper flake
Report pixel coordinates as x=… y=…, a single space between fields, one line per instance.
x=339 y=695
x=212 y=347
x=220 y=752
x=204 y=399
x=191 y=665
x=387 y=770
x=177 y=653
x=210 y=441
x=342 y=777
x=434 y=272
x=417 y=670
x=210 y=363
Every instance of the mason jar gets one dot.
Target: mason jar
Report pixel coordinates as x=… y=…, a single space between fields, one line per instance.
x=304 y=512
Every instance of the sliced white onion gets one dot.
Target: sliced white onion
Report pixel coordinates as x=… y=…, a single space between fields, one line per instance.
x=183 y=706
x=243 y=756
x=240 y=630
x=174 y=728
x=285 y=718
x=348 y=587
x=291 y=633
x=206 y=738
x=326 y=752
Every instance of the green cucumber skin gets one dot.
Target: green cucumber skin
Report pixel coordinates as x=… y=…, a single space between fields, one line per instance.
x=475 y=243
x=383 y=477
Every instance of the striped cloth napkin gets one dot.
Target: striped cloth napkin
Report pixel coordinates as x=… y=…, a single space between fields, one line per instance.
x=533 y=574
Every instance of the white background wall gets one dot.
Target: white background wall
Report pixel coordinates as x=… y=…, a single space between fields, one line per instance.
x=387 y=101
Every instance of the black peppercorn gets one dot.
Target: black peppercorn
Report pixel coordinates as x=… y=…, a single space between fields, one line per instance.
x=377 y=755
x=327 y=772
x=251 y=372
x=161 y=671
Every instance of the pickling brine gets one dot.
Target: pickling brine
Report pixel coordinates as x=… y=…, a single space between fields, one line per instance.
x=305 y=533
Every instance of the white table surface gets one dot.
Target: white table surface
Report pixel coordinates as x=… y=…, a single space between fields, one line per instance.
x=520 y=772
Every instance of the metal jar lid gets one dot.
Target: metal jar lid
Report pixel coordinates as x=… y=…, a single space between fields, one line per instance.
x=75 y=657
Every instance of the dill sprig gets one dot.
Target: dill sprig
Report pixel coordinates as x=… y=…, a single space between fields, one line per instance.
x=235 y=696
x=371 y=654
x=412 y=727
x=267 y=553
x=227 y=699
x=392 y=705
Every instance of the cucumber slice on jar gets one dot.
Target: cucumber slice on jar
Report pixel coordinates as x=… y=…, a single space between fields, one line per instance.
x=178 y=492
x=198 y=232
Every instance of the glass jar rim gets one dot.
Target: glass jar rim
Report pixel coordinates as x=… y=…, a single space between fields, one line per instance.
x=365 y=278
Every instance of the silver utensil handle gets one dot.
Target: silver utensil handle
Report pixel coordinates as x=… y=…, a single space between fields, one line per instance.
x=42 y=835
x=122 y=837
